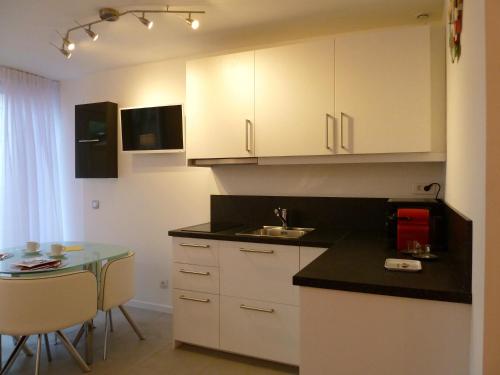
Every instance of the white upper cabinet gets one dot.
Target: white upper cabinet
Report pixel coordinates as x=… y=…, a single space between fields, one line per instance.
x=220 y=106
x=294 y=103
x=383 y=91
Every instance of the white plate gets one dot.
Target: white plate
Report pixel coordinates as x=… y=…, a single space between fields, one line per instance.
x=407 y=265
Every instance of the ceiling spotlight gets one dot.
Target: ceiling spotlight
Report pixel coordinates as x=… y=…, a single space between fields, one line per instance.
x=94 y=36
x=64 y=51
x=195 y=24
x=145 y=21
x=68 y=44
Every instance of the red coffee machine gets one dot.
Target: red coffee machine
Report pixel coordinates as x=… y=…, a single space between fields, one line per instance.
x=410 y=220
x=413 y=226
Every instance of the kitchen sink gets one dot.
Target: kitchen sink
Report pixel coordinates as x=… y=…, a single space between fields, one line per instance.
x=276 y=232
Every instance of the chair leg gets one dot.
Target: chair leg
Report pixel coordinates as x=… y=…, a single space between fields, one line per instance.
x=110 y=321
x=27 y=351
x=74 y=353
x=89 y=347
x=79 y=335
x=1 y=363
x=106 y=335
x=47 y=347
x=131 y=322
x=14 y=354
x=38 y=354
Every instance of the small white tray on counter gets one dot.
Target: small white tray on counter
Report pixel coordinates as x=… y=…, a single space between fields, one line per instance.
x=406 y=265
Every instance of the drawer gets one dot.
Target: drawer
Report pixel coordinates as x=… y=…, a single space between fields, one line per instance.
x=196 y=318
x=259 y=271
x=260 y=329
x=196 y=278
x=196 y=251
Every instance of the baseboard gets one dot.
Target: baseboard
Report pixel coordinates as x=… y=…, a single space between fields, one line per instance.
x=150 y=306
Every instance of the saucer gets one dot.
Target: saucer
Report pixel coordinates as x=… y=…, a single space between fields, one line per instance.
x=56 y=256
x=32 y=253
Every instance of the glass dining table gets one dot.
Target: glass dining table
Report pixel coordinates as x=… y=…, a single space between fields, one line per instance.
x=78 y=255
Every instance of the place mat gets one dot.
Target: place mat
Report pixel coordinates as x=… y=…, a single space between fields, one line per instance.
x=73 y=248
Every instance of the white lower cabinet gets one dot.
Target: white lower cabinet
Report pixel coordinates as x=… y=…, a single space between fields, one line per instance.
x=260 y=329
x=196 y=318
x=239 y=296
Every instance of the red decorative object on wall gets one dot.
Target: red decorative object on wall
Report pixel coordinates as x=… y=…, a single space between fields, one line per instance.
x=455 y=14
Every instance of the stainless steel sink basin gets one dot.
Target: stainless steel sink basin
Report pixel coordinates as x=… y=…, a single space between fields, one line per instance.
x=276 y=232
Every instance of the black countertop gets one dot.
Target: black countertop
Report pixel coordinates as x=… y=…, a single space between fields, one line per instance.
x=355 y=262
x=317 y=238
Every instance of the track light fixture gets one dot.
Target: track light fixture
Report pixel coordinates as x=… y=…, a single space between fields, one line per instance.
x=64 y=51
x=112 y=15
x=92 y=35
x=149 y=24
x=195 y=24
x=68 y=44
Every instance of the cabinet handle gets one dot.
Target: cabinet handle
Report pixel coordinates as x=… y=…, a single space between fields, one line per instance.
x=327 y=117
x=195 y=272
x=248 y=126
x=256 y=309
x=256 y=251
x=204 y=300
x=342 y=115
x=88 y=140
x=194 y=245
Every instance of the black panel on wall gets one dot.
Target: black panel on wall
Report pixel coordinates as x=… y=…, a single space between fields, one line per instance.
x=96 y=140
x=317 y=212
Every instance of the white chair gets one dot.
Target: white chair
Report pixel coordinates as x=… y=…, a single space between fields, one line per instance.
x=116 y=288
x=40 y=305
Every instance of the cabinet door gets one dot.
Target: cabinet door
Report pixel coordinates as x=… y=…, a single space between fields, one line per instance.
x=196 y=318
x=383 y=91
x=260 y=329
x=220 y=106
x=259 y=271
x=294 y=88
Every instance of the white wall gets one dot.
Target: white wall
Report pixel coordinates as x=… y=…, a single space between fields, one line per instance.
x=155 y=193
x=465 y=170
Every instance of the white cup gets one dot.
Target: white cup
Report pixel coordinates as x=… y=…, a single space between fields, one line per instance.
x=56 y=249
x=32 y=246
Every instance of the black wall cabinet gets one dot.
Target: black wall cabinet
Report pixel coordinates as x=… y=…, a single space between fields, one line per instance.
x=96 y=149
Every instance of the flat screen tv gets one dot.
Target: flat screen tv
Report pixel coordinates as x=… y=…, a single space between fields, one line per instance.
x=152 y=129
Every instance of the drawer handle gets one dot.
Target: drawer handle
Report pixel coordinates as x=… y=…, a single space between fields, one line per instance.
x=195 y=272
x=194 y=245
x=256 y=251
x=256 y=309
x=204 y=300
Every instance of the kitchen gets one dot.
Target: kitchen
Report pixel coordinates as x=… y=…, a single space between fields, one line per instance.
x=155 y=194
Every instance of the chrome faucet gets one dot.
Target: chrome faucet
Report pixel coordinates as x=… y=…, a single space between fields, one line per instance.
x=282 y=214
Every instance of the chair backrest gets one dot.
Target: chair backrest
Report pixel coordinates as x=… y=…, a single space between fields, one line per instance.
x=46 y=304
x=117 y=282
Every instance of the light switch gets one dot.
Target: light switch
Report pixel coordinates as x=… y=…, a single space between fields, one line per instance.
x=95 y=204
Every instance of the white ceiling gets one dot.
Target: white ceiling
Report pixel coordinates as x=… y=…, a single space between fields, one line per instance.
x=28 y=26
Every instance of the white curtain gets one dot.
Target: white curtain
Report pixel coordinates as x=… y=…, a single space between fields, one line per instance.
x=29 y=181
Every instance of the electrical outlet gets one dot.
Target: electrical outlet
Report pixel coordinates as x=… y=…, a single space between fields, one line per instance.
x=164 y=284
x=418 y=189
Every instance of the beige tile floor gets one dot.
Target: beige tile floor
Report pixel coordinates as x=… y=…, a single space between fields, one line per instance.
x=155 y=355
